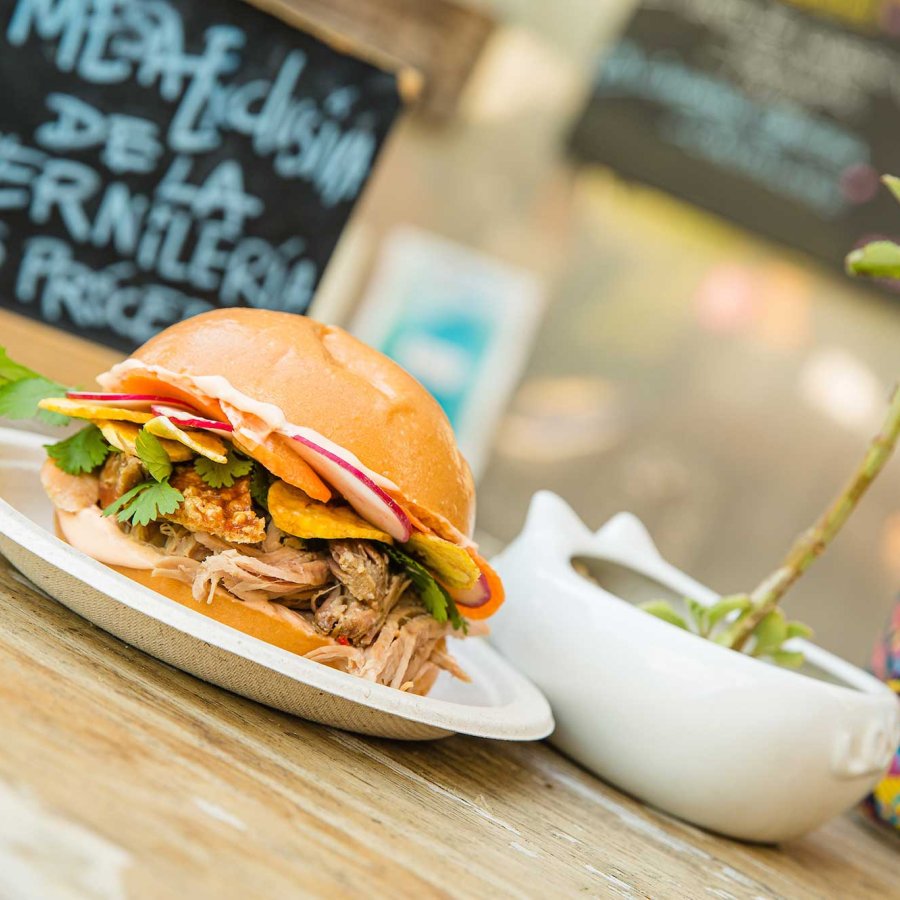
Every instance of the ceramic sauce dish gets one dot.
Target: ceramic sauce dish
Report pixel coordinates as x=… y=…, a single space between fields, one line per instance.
x=716 y=737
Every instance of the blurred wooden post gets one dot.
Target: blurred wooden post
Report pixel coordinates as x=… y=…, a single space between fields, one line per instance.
x=432 y=44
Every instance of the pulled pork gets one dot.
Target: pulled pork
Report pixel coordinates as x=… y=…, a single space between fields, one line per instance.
x=227 y=511
x=345 y=591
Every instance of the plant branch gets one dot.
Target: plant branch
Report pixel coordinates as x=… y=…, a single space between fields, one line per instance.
x=809 y=546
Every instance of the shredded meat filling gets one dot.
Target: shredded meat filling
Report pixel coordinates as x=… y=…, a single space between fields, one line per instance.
x=340 y=614
x=120 y=473
x=385 y=635
x=227 y=511
x=340 y=588
x=361 y=569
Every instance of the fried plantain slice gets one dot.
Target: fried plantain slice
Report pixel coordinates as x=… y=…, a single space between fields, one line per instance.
x=298 y=514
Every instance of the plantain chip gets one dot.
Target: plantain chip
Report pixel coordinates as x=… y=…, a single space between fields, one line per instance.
x=79 y=409
x=298 y=514
x=122 y=436
x=199 y=441
x=450 y=563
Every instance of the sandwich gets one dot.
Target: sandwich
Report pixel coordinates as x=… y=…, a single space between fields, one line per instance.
x=279 y=476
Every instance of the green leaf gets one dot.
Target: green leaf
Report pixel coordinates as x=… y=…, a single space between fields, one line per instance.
x=82 y=452
x=260 y=482
x=698 y=614
x=880 y=259
x=218 y=475
x=145 y=503
x=662 y=609
x=726 y=606
x=12 y=371
x=126 y=498
x=790 y=659
x=434 y=597
x=770 y=634
x=799 y=630
x=19 y=399
x=892 y=183
x=152 y=455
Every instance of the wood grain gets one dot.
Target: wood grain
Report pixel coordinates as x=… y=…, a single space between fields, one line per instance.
x=202 y=792
x=53 y=353
x=123 y=777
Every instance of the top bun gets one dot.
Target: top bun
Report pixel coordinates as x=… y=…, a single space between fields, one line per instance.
x=324 y=378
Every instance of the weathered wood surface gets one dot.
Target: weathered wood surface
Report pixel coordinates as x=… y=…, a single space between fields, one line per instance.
x=128 y=778
x=122 y=777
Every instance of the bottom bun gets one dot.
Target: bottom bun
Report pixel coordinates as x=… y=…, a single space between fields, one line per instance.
x=273 y=624
x=269 y=622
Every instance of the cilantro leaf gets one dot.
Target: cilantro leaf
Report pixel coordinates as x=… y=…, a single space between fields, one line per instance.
x=434 y=597
x=125 y=499
x=19 y=399
x=145 y=503
x=82 y=452
x=260 y=482
x=152 y=455
x=12 y=371
x=218 y=475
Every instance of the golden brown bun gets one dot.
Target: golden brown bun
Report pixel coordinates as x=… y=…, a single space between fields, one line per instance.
x=322 y=377
x=225 y=609
x=273 y=629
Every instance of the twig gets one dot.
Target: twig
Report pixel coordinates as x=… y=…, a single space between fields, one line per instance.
x=813 y=541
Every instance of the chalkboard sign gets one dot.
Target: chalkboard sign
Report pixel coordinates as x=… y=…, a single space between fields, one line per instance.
x=776 y=116
x=159 y=158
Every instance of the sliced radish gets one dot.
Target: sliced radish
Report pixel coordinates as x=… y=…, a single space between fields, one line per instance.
x=356 y=487
x=319 y=440
x=190 y=420
x=124 y=401
x=473 y=597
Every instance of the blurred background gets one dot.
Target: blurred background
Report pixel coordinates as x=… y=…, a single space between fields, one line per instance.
x=719 y=384
x=614 y=252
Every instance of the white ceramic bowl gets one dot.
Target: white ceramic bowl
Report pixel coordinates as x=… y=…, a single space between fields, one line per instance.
x=715 y=737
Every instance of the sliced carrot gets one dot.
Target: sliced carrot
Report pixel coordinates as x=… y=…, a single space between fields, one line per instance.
x=275 y=453
x=144 y=383
x=495 y=585
x=417 y=523
x=280 y=459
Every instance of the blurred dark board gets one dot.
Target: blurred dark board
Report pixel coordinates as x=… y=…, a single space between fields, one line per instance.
x=775 y=116
x=162 y=157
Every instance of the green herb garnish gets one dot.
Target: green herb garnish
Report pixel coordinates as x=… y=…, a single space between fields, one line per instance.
x=21 y=389
x=260 y=482
x=218 y=475
x=13 y=371
x=149 y=500
x=84 y=451
x=434 y=597
x=152 y=455
x=19 y=400
x=145 y=503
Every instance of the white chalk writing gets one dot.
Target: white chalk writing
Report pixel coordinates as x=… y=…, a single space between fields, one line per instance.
x=168 y=197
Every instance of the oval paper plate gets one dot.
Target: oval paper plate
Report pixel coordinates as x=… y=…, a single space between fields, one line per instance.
x=499 y=702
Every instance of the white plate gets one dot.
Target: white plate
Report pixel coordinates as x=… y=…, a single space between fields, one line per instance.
x=499 y=703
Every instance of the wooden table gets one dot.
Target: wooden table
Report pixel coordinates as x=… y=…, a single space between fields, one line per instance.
x=122 y=777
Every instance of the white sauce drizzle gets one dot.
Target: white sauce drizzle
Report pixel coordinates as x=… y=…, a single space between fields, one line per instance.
x=101 y=538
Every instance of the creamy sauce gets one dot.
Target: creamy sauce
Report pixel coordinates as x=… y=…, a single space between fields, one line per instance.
x=254 y=420
x=268 y=417
x=99 y=537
